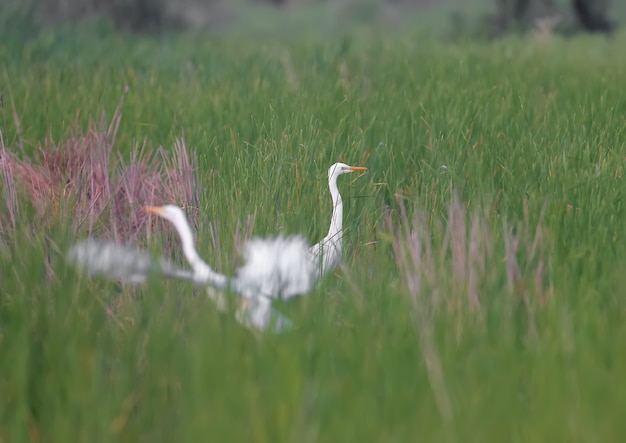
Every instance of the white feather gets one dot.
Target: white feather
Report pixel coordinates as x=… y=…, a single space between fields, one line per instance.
x=120 y=262
x=278 y=267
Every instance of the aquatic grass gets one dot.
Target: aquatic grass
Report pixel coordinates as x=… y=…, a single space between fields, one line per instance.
x=495 y=188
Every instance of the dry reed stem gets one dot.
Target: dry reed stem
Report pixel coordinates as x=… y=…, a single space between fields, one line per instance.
x=462 y=274
x=91 y=187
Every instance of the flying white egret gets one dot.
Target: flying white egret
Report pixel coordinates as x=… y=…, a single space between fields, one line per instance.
x=280 y=267
x=273 y=268
x=130 y=265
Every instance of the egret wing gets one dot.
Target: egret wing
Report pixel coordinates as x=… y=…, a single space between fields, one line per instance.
x=278 y=267
x=121 y=262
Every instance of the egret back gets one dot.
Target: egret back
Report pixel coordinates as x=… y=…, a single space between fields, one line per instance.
x=277 y=267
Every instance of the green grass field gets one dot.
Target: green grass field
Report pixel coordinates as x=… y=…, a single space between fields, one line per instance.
x=505 y=161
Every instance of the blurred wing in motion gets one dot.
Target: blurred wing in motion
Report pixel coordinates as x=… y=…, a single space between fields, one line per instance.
x=120 y=262
x=277 y=267
x=131 y=265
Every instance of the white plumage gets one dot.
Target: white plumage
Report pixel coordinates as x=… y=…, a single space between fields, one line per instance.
x=327 y=254
x=277 y=267
x=121 y=262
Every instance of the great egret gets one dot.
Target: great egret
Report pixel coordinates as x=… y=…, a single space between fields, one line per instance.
x=279 y=267
x=327 y=253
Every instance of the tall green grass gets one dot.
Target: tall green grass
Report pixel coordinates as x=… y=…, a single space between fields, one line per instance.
x=529 y=135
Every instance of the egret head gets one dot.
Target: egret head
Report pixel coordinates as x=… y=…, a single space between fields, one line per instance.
x=341 y=168
x=171 y=213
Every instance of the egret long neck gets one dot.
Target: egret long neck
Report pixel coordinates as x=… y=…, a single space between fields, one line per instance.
x=336 y=221
x=202 y=271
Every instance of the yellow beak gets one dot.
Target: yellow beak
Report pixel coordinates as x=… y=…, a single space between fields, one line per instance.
x=152 y=210
x=357 y=168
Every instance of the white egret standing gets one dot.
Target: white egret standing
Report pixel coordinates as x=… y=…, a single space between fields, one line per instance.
x=327 y=253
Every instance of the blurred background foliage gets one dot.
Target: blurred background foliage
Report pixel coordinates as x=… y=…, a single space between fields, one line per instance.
x=23 y=20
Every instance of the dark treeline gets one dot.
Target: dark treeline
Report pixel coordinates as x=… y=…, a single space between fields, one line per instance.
x=149 y=16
